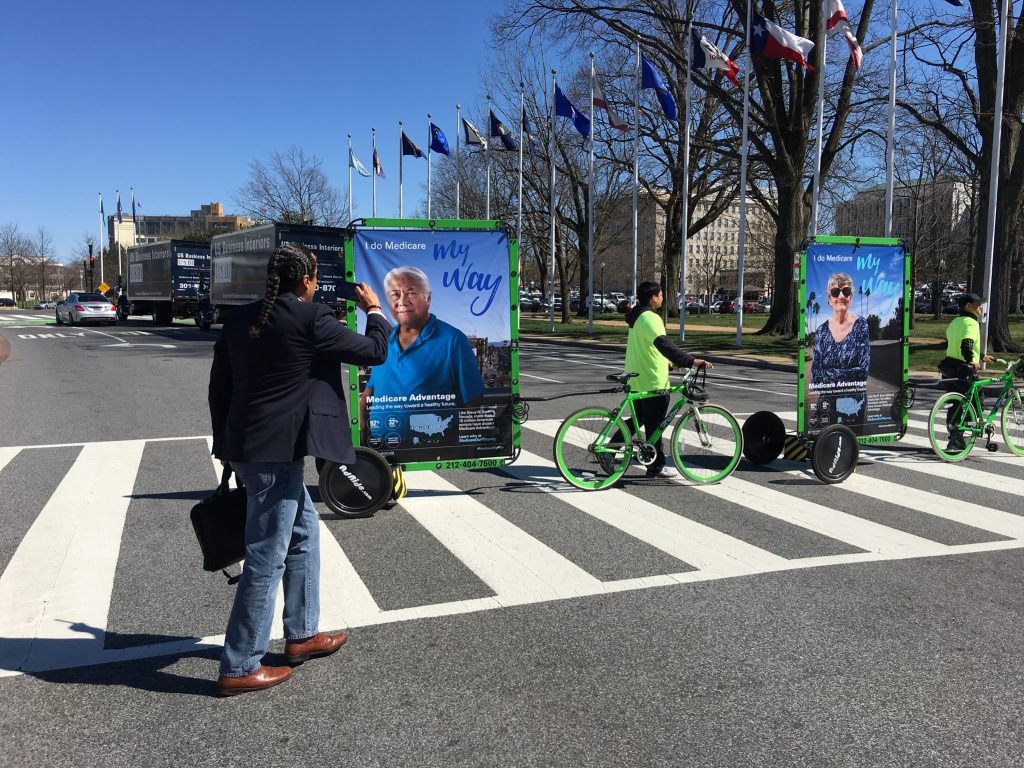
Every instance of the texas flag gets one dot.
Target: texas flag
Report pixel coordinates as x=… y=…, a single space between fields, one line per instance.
x=837 y=19
x=772 y=41
x=707 y=56
x=600 y=101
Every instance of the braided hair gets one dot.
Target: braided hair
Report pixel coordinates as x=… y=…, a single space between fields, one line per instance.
x=288 y=264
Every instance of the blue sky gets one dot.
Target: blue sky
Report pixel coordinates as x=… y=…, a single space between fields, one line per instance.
x=176 y=98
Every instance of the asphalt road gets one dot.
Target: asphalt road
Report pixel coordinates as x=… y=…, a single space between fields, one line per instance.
x=770 y=620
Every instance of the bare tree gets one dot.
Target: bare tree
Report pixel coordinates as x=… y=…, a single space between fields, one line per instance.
x=291 y=187
x=957 y=99
x=13 y=264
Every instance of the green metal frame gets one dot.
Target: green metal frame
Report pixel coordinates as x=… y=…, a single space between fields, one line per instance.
x=802 y=330
x=513 y=286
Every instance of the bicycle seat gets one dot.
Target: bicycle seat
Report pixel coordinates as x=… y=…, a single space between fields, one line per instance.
x=621 y=378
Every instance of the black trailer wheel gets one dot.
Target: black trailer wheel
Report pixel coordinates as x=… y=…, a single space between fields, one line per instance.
x=764 y=436
x=835 y=453
x=359 y=489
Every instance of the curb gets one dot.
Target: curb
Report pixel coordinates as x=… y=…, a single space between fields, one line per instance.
x=717 y=358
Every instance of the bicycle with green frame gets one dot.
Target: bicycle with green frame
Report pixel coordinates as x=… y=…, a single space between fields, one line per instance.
x=594 y=446
x=968 y=416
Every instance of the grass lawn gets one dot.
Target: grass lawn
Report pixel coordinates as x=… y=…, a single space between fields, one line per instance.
x=717 y=333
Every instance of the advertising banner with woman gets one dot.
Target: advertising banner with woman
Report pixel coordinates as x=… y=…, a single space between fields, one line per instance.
x=444 y=395
x=853 y=355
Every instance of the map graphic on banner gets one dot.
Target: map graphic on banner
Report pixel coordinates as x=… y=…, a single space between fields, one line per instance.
x=445 y=392
x=853 y=305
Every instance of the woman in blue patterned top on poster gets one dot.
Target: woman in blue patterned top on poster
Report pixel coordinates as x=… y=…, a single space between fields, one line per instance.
x=842 y=355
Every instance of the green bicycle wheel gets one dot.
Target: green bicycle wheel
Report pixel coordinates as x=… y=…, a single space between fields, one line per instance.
x=938 y=432
x=1013 y=424
x=592 y=449
x=707 y=448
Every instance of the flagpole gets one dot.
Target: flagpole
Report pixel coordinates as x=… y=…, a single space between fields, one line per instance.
x=458 y=167
x=117 y=229
x=428 y=164
x=590 y=208
x=101 y=235
x=551 y=210
x=889 y=139
x=742 y=242
x=373 y=141
x=350 y=177
x=821 y=121
x=519 y=196
x=993 y=183
x=487 y=152
x=401 y=156
x=636 y=169
x=684 y=218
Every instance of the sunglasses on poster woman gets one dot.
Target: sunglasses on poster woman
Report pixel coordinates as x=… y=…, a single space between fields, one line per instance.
x=846 y=291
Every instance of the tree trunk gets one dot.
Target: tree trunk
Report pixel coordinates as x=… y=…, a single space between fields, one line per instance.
x=793 y=216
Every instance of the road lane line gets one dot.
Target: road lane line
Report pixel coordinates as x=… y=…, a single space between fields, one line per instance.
x=55 y=593
x=517 y=567
x=705 y=548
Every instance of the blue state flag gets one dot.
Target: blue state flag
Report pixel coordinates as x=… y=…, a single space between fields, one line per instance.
x=119 y=219
x=438 y=141
x=649 y=78
x=564 y=108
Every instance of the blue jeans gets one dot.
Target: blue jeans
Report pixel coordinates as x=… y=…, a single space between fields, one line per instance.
x=282 y=539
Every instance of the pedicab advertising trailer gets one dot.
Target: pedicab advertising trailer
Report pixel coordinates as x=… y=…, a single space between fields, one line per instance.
x=445 y=398
x=853 y=319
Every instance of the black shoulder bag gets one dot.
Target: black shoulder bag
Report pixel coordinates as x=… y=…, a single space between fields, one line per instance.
x=219 y=523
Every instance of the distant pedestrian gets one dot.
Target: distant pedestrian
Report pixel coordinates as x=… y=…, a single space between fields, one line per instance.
x=650 y=353
x=276 y=397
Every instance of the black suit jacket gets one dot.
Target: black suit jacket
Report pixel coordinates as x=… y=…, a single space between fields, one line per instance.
x=279 y=397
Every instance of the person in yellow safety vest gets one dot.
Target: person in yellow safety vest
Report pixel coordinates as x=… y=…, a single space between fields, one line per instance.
x=649 y=353
x=963 y=352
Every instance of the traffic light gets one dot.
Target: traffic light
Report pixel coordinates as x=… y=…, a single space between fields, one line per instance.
x=92 y=263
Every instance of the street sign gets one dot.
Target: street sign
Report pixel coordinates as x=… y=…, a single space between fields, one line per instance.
x=103 y=288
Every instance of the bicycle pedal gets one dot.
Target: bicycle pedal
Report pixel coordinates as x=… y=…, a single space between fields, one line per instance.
x=992 y=447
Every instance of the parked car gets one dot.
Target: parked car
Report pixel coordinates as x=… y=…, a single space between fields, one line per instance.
x=45 y=305
x=8 y=303
x=727 y=306
x=86 y=308
x=695 y=307
x=624 y=306
x=753 y=308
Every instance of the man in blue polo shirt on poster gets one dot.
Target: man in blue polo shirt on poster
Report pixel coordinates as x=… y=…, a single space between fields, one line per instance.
x=430 y=363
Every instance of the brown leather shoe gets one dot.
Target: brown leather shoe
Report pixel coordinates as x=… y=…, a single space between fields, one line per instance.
x=320 y=644
x=264 y=677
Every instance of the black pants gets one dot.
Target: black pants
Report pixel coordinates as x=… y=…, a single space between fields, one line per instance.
x=650 y=411
x=957 y=376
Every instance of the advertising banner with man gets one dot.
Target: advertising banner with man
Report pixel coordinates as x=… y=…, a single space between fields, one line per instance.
x=853 y=358
x=445 y=393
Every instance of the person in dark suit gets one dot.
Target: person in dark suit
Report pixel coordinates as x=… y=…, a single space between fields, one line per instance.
x=276 y=397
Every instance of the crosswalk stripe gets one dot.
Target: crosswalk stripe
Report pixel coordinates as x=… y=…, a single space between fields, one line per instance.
x=56 y=590
x=516 y=566
x=703 y=547
x=6 y=454
x=978 y=453
x=937 y=505
x=935 y=467
x=853 y=530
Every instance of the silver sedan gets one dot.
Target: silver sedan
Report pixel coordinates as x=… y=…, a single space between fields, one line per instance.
x=86 y=308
